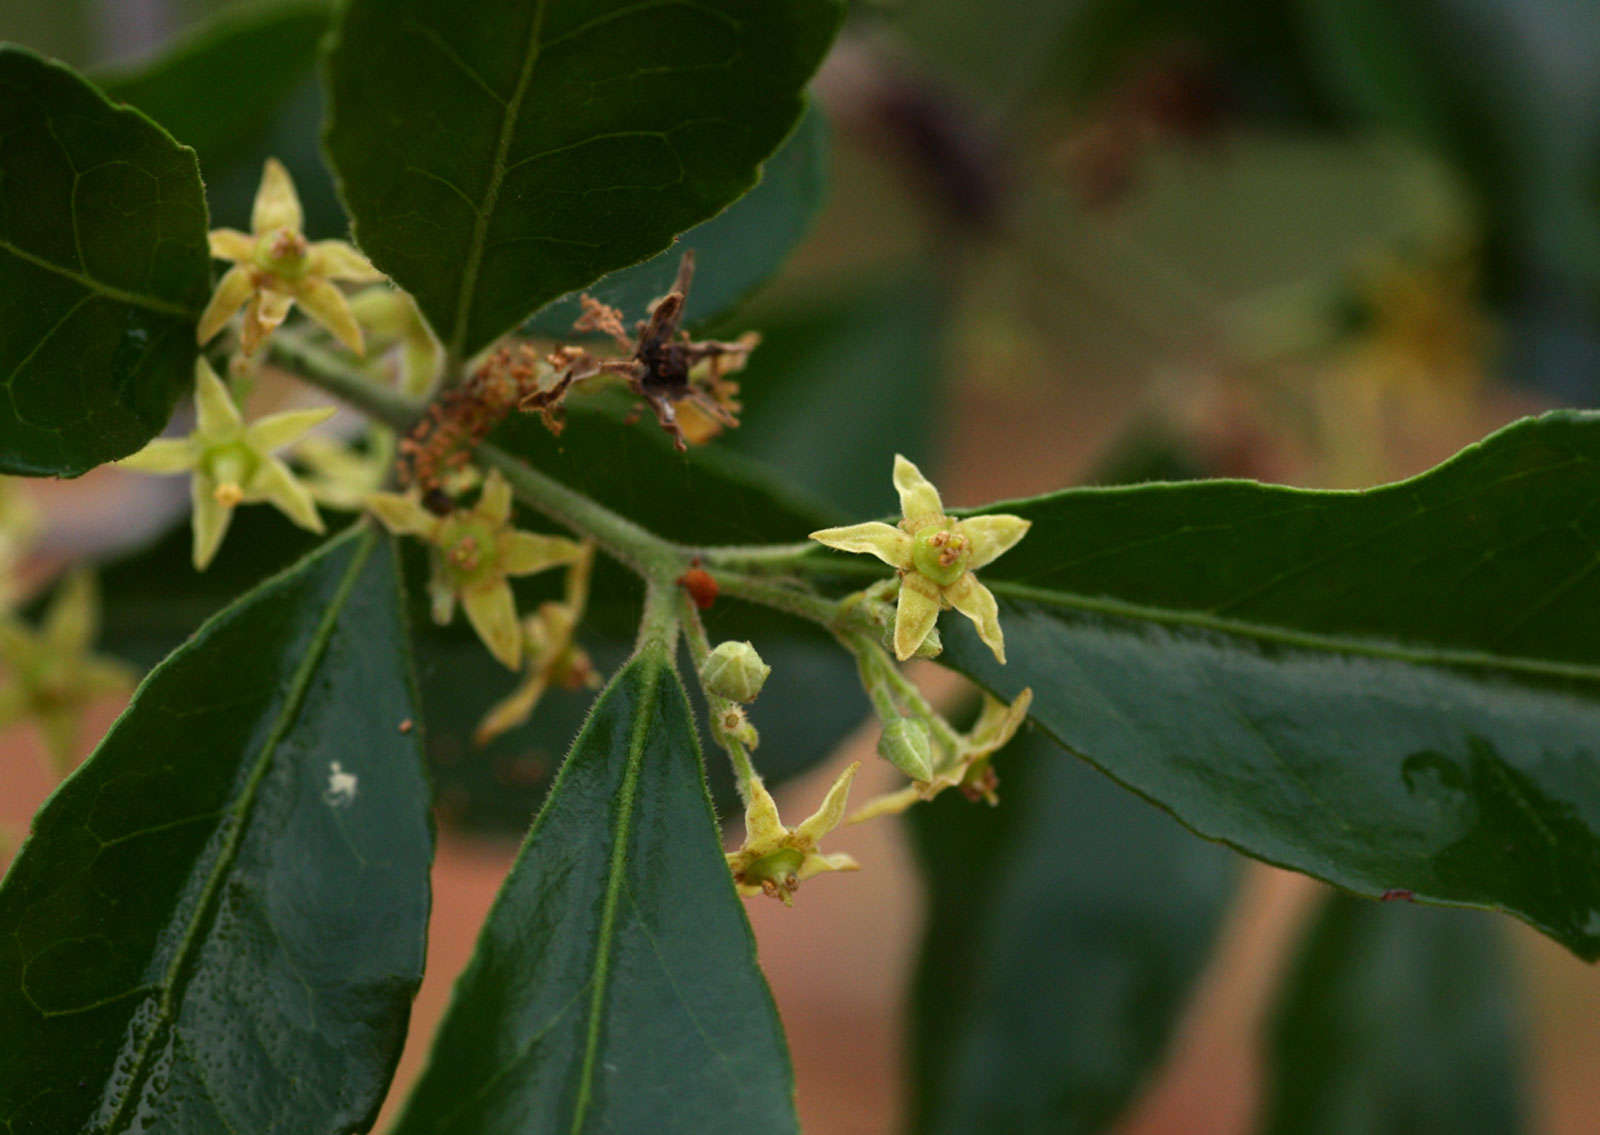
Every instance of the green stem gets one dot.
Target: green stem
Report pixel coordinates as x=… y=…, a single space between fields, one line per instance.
x=350 y=383
x=622 y=539
x=876 y=668
x=657 y=560
x=781 y=596
x=658 y=624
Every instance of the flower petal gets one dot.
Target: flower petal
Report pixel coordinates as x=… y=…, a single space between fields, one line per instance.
x=919 y=500
x=494 y=502
x=915 y=614
x=277 y=430
x=326 y=304
x=277 y=205
x=764 y=832
x=992 y=536
x=996 y=725
x=231 y=244
x=163 y=455
x=830 y=812
x=233 y=290
x=885 y=541
x=817 y=864
x=336 y=260
x=266 y=311
x=402 y=515
x=217 y=418
x=510 y=712
x=441 y=592
x=274 y=483
x=976 y=602
x=210 y=520
x=522 y=553
x=492 y=611
x=72 y=620
x=59 y=728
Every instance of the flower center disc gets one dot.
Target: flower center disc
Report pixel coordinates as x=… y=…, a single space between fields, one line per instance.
x=283 y=253
x=468 y=548
x=941 y=554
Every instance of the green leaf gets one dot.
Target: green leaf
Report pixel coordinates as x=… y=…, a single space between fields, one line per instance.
x=1066 y=930
x=1395 y=1019
x=229 y=89
x=736 y=251
x=496 y=156
x=709 y=495
x=209 y=929
x=1391 y=689
x=103 y=271
x=614 y=987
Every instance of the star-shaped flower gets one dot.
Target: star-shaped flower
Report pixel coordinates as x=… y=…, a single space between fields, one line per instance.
x=52 y=676
x=968 y=767
x=553 y=658
x=775 y=860
x=936 y=556
x=472 y=552
x=232 y=462
x=274 y=265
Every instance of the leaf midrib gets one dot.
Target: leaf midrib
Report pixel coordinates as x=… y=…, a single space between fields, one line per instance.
x=491 y=195
x=204 y=908
x=606 y=939
x=99 y=287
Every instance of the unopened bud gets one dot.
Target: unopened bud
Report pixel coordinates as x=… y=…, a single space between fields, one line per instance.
x=734 y=670
x=906 y=746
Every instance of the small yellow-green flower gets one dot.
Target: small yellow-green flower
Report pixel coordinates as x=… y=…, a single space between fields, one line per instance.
x=275 y=266
x=52 y=678
x=936 y=556
x=774 y=860
x=232 y=462
x=472 y=552
x=968 y=767
x=553 y=658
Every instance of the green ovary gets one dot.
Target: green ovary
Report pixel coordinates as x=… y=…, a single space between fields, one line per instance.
x=940 y=554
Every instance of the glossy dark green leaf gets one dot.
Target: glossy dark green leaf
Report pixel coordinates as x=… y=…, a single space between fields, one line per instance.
x=736 y=251
x=234 y=89
x=212 y=928
x=103 y=270
x=1066 y=929
x=496 y=156
x=1395 y=1020
x=708 y=495
x=614 y=987
x=1392 y=689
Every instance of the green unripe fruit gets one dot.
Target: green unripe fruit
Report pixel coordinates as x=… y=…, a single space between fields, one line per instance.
x=734 y=670
x=905 y=745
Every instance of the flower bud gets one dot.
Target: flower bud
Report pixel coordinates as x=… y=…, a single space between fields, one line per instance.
x=906 y=746
x=734 y=670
